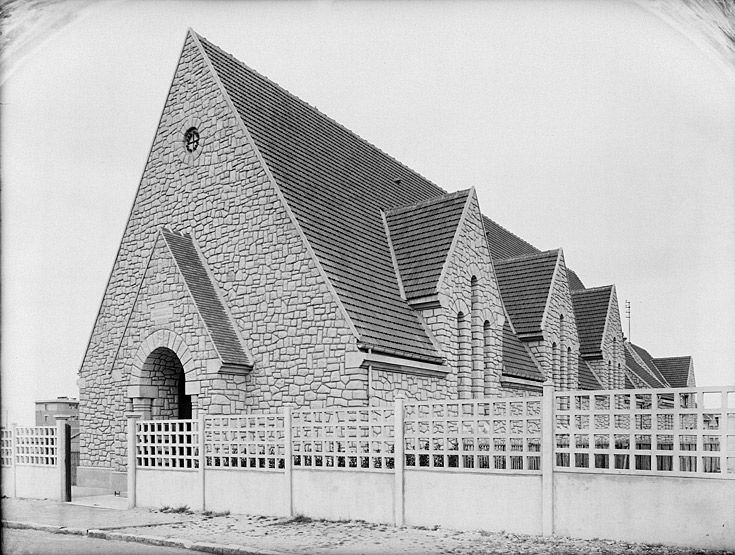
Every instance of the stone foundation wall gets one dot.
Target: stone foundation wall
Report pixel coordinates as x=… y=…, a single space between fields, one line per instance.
x=387 y=386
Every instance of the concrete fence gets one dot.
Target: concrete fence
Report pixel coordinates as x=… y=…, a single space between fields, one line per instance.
x=36 y=461
x=635 y=465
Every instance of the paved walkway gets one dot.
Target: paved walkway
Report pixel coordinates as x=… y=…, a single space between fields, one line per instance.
x=239 y=534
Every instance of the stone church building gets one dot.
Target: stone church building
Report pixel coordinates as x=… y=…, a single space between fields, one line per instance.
x=272 y=257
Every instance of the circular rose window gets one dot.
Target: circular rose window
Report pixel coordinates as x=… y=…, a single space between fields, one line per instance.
x=191 y=139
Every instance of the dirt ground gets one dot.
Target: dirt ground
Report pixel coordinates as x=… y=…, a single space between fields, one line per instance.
x=303 y=535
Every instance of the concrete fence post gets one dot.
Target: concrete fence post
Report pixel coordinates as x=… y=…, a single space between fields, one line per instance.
x=63 y=456
x=132 y=457
x=202 y=461
x=547 y=459
x=288 y=459
x=398 y=463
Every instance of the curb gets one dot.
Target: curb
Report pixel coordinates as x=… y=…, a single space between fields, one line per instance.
x=43 y=527
x=202 y=547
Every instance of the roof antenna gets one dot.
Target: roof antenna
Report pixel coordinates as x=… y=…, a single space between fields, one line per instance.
x=627 y=315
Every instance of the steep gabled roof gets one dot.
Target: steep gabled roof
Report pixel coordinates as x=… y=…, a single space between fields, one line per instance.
x=574 y=282
x=675 y=369
x=635 y=367
x=421 y=235
x=504 y=244
x=336 y=184
x=525 y=283
x=590 y=311
x=650 y=363
x=216 y=318
x=517 y=359
x=587 y=378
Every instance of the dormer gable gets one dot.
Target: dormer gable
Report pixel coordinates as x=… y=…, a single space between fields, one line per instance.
x=592 y=311
x=525 y=287
x=420 y=236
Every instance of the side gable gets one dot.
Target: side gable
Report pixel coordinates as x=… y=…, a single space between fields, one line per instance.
x=518 y=361
x=211 y=307
x=678 y=371
x=640 y=370
x=591 y=311
x=525 y=284
x=645 y=357
x=587 y=378
x=421 y=236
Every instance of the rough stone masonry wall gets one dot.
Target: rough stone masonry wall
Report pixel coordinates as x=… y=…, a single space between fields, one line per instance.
x=283 y=307
x=610 y=370
x=560 y=304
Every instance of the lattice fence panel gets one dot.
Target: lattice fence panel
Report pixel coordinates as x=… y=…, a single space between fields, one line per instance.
x=344 y=438
x=502 y=434
x=647 y=431
x=247 y=441
x=6 y=447
x=36 y=445
x=172 y=444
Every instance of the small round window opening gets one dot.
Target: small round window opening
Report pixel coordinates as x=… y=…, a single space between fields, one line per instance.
x=191 y=139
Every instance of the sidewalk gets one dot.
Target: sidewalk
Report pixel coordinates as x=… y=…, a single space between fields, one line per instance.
x=240 y=534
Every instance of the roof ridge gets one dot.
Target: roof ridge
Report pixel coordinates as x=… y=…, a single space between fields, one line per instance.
x=671 y=358
x=317 y=110
x=586 y=289
x=527 y=256
x=509 y=232
x=427 y=202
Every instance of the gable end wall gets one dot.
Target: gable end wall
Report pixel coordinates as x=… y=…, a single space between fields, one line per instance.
x=283 y=308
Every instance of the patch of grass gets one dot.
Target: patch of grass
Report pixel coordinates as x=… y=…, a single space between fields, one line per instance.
x=298 y=519
x=181 y=509
x=212 y=514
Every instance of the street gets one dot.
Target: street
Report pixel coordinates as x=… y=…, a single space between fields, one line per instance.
x=36 y=542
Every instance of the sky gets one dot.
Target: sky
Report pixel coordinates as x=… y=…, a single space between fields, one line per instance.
x=597 y=127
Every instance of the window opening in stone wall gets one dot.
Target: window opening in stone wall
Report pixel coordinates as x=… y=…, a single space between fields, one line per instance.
x=571 y=382
x=191 y=139
x=463 y=362
x=487 y=357
x=477 y=340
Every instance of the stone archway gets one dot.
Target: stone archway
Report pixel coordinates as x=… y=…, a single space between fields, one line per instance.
x=162 y=380
x=163 y=370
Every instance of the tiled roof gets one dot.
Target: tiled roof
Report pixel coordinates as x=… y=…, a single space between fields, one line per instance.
x=590 y=312
x=524 y=286
x=517 y=359
x=503 y=243
x=336 y=185
x=632 y=364
x=217 y=320
x=574 y=282
x=675 y=369
x=587 y=378
x=421 y=235
x=648 y=359
x=628 y=383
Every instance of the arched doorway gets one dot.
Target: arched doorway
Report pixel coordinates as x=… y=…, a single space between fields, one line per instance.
x=163 y=370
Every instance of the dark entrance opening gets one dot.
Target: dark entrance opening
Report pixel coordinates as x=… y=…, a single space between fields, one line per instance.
x=165 y=371
x=184 y=399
